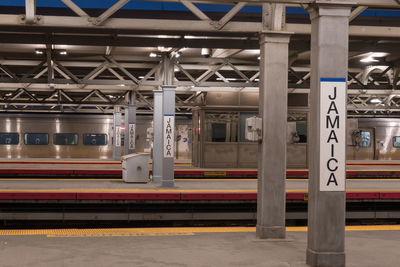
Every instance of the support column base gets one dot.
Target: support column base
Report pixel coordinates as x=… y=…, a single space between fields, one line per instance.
x=167 y=183
x=273 y=232
x=326 y=259
x=156 y=179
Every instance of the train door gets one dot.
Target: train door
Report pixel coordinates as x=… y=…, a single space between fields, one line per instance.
x=366 y=145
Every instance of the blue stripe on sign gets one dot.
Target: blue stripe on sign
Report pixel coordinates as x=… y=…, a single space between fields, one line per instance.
x=333 y=79
x=169 y=115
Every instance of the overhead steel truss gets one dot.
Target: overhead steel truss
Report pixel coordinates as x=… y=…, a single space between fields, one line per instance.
x=77 y=86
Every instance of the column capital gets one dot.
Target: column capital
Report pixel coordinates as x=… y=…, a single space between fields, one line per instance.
x=274 y=37
x=334 y=10
x=168 y=87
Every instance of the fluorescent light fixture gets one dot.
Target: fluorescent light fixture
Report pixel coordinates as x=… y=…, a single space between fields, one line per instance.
x=369 y=59
x=153 y=54
x=375 y=101
x=379 y=54
x=228 y=79
x=141 y=77
x=206 y=52
x=189 y=37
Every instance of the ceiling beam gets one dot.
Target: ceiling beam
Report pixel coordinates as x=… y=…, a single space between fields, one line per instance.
x=189 y=26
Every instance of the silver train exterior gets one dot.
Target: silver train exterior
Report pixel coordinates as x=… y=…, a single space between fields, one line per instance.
x=28 y=129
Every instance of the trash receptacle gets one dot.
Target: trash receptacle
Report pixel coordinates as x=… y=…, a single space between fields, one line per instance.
x=135 y=168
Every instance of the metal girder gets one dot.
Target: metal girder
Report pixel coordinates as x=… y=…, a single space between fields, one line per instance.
x=30 y=11
x=372 y=3
x=242 y=27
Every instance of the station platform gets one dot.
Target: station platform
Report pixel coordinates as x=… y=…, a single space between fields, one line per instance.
x=366 y=246
x=89 y=168
x=185 y=189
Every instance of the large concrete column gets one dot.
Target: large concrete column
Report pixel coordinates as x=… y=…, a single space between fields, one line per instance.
x=271 y=200
x=130 y=125
x=117 y=134
x=167 y=179
x=327 y=197
x=157 y=138
x=272 y=149
x=168 y=131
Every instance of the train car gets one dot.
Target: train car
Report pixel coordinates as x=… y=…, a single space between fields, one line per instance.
x=76 y=136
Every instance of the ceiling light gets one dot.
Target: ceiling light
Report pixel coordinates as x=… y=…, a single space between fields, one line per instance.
x=141 y=77
x=177 y=54
x=153 y=54
x=369 y=59
x=8 y=94
x=227 y=79
x=160 y=48
x=206 y=52
x=379 y=54
x=258 y=57
x=62 y=52
x=38 y=52
x=189 y=37
x=122 y=84
x=375 y=101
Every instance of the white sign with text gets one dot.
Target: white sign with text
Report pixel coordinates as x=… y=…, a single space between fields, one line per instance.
x=118 y=136
x=333 y=134
x=169 y=133
x=132 y=134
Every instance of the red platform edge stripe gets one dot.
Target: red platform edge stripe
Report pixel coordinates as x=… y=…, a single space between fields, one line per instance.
x=389 y=195
x=128 y=196
x=40 y=196
x=362 y=195
x=218 y=196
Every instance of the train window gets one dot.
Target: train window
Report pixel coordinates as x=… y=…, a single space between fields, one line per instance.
x=222 y=126
x=365 y=139
x=95 y=139
x=9 y=138
x=36 y=139
x=301 y=129
x=65 y=139
x=396 y=141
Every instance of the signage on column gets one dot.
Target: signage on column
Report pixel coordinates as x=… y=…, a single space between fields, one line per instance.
x=117 y=136
x=332 y=134
x=131 y=134
x=169 y=133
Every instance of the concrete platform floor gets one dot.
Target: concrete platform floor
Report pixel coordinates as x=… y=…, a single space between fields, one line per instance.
x=181 y=248
x=117 y=185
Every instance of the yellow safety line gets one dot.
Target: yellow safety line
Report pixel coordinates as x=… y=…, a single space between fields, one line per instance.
x=109 y=232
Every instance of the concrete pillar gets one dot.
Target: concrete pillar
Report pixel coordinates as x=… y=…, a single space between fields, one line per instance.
x=327 y=197
x=168 y=149
x=130 y=125
x=157 y=139
x=271 y=200
x=117 y=134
